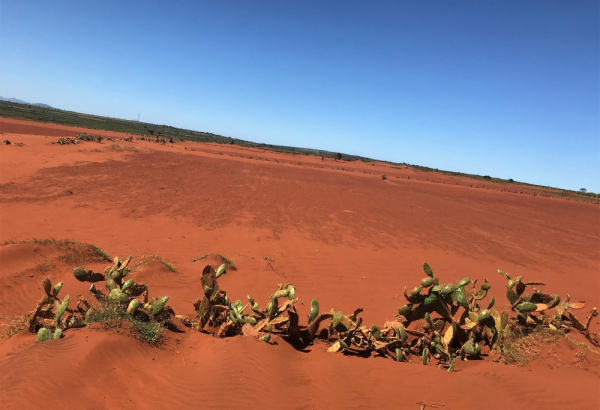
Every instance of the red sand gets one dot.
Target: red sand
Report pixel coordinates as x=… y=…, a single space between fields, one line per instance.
x=336 y=230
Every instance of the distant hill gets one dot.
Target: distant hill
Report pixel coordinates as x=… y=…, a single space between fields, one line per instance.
x=17 y=101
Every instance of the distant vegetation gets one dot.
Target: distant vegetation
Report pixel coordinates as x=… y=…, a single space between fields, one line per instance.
x=74 y=119
x=95 y=122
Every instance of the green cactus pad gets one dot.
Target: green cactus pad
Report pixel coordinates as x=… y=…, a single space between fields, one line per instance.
x=426 y=282
x=512 y=297
x=251 y=301
x=416 y=291
x=526 y=307
x=249 y=319
x=375 y=332
x=428 y=318
x=555 y=301
x=448 y=289
x=127 y=285
x=314 y=310
x=484 y=315
x=57 y=333
x=80 y=274
x=402 y=334
x=57 y=289
x=221 y=270
x=280 y=294
x=472 y=349
x=292 y=292
x=492 y=302
x=117 y=296
x=427 y=270
x=404 y=310
x=437 y=288
x=460 y=297
x=451 y=368
x=503 y=274
x=43 y=335
x=430 y=299
x=233 y=317
x=159 y=305
x=425 y=356
x=399 y=355
x=61 y=308
x=463 y=282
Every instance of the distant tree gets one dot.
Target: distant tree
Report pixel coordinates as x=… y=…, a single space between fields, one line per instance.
x=511 y=180
x=583 y=190
x=487 y=177
x=338 y=156
x=151 y=132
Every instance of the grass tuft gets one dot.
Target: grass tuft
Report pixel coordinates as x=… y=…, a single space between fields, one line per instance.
x=226 y=260
x=98 y=251
x=158 y=259
x=114 y=316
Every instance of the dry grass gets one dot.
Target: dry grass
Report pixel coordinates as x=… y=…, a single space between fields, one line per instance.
x=118 y=148
x=158 y=259
x=62 y=244
x=226 y=260
x=521 y=345
x=15 y=326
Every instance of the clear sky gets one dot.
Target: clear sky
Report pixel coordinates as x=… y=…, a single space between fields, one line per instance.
x=507 y=89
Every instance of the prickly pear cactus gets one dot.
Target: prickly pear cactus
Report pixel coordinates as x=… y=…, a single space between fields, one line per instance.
x=44 y=335
x=533 y=306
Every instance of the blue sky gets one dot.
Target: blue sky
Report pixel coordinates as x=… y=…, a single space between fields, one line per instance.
x=508 y=89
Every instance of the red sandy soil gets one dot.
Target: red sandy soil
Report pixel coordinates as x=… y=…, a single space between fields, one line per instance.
x=335 y=229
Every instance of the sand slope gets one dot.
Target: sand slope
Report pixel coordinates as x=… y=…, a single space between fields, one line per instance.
x=336 y=230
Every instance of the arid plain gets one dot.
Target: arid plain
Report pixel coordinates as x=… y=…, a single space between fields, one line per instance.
x=335 y=229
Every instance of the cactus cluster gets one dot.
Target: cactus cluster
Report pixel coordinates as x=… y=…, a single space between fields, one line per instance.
x=458 y=331
x=123 y=292
x=215 y=311
x=453 y=320
x=52 y=315
x=84 y=136
x=464 y=323
x=534 y=307
x=441 y=321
